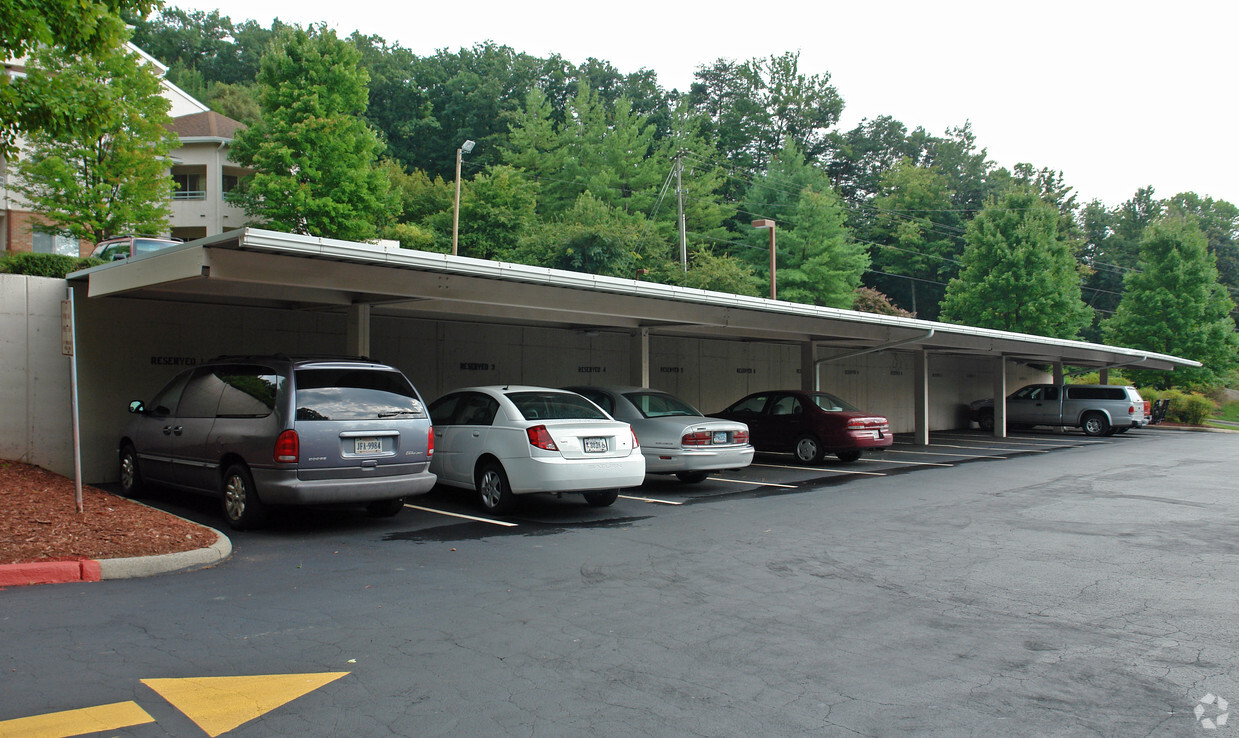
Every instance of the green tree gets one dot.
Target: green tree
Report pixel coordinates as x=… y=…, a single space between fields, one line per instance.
x=1173 y=304
x=1219 y=221
x=591 y=237
x=203 y=46
x=496 y=213
x=862 y=157
x=752 y=108
x=825 y=263
x=113 y=179
x=818 y=262
x=313 y=155
x=1018 y=273
x=1111 y=249
x=916 y=237
x=72 y=26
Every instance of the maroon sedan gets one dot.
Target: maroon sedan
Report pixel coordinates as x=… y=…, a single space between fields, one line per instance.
x=808 y=424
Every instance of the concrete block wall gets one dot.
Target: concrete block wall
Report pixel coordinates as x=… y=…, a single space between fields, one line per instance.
x=36 y=424
x=130 y=348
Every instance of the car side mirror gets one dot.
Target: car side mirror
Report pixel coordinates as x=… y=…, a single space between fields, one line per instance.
x=137 y=407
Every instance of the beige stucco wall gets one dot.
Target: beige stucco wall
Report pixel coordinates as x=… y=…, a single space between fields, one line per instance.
x=36 y=424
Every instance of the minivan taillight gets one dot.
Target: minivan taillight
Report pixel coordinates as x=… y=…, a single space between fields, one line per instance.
x=540 y=437
x=287 y=448
x=430 y=442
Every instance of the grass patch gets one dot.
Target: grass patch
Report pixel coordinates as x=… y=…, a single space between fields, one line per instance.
x=1228 y=411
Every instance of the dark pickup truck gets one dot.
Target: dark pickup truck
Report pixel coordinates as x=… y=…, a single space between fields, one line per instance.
x=1097 y=409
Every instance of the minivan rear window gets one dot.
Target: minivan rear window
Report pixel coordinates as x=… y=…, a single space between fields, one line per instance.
x=355 y=394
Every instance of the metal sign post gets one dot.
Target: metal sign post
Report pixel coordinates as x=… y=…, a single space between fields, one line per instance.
x=68 y=347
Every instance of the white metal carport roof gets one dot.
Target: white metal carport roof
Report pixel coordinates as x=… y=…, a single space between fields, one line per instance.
x=253 y=267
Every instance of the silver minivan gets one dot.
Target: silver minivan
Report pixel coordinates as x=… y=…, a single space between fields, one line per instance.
x=266 y=431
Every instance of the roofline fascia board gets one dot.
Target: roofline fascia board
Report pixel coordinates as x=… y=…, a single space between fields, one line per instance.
x=298 y=245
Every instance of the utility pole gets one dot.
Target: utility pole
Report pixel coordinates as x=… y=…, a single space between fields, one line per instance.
x=679 y=197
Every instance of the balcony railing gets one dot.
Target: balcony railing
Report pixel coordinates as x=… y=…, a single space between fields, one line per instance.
x=189 y=195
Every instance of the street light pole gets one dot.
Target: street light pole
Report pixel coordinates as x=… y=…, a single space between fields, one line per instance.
x=769 y=224
x=465 y=148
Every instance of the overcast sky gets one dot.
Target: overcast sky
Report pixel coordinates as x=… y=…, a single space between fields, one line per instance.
x=1116 y=95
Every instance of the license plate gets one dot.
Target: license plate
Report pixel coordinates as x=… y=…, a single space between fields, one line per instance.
x=367 y=446
x=595 y=445
x=720 y=436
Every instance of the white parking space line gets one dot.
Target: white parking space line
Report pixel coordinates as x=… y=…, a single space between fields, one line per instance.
x=757 y=484
x=893 y=461
x=1023 y=441
x=931 y=453
x=982 y=448
x=820 y=469
x=504 y=523
x=650 y=499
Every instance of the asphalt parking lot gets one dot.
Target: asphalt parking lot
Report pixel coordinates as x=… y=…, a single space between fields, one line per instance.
x=1043 y=584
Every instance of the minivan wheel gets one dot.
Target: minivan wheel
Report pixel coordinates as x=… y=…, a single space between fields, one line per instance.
x=809 y=450
x=242 y=507
x=1095 y=424
x=493 y=490
x=602 y=499
x=385 y=508
x=130 y=474
x=848 y=457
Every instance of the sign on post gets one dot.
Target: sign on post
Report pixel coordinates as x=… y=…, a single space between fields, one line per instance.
x=66 y=328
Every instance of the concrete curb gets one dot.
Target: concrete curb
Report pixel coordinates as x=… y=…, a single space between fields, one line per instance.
x=90 y=570
x=145 y=566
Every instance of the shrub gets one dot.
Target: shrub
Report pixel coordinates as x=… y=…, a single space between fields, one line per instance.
x=1187 y=408
x=44 y=265
x=1194 y=408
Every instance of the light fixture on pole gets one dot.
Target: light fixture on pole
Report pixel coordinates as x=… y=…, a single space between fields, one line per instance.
x=465 y=148
x=769 y=224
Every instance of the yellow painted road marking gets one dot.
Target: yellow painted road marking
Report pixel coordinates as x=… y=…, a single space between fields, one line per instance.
x=77 y=722
x=650 y=499
x=219 y=704
x=813 y=469
x=504 y=523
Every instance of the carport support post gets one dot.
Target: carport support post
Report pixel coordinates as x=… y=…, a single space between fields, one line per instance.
x=920 y=394
x=1000 y=397
x=1103 y=375
x=639 y=355
x=808 y=366
x=1058 y=374
x=357 y=334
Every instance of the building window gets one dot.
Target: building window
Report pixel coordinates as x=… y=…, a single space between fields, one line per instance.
x=188 y=187
x=229 y=182
x=64 y=244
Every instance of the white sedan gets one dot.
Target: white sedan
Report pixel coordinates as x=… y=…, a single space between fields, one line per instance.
x=505 y=441
x=675 y=437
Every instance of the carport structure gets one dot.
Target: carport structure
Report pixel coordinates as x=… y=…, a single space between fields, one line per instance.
x=254 y=268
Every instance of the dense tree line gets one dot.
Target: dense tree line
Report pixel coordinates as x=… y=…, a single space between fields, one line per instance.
x=586 y=167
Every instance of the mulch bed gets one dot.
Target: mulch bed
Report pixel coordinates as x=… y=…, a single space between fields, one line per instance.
x=39 y=522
